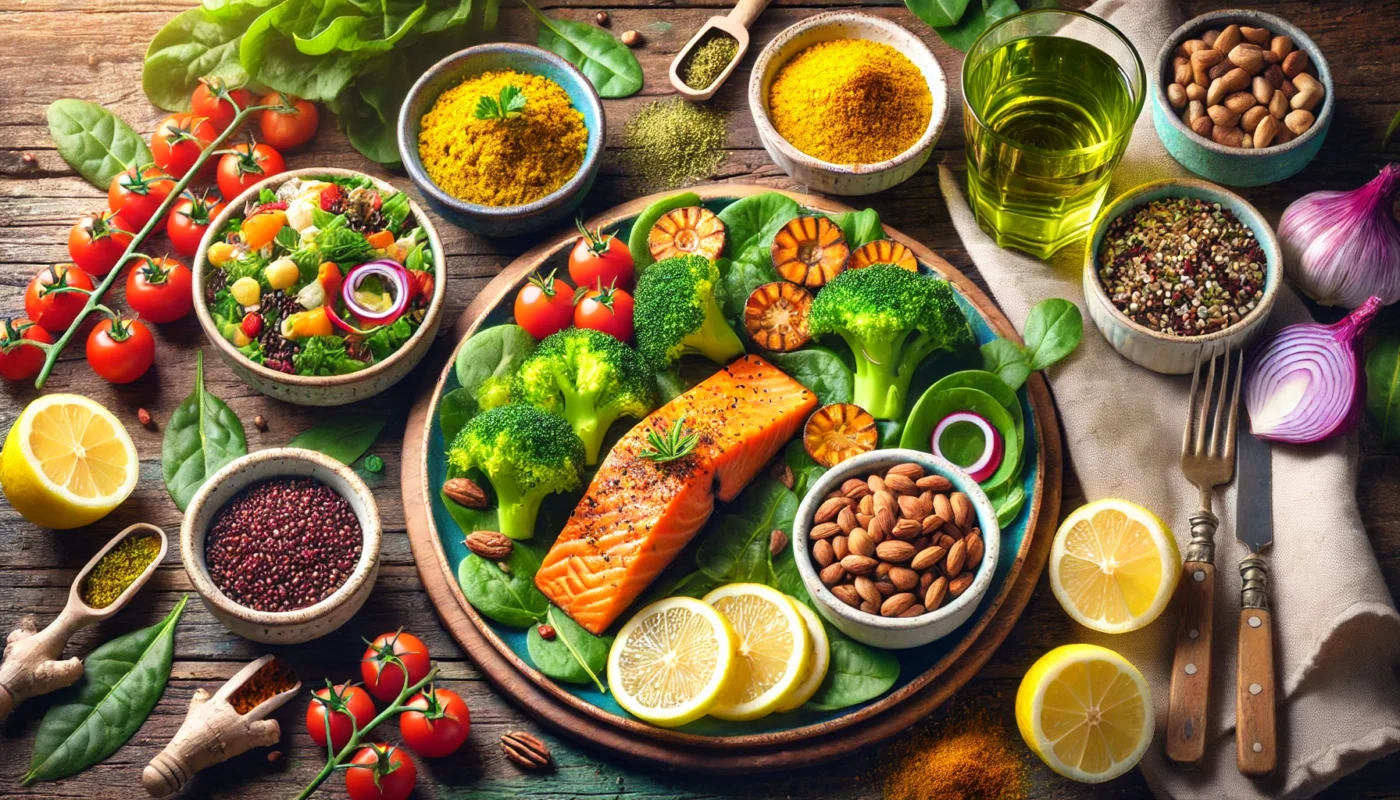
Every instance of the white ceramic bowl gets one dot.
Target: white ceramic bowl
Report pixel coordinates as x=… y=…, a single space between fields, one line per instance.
x=303 y=624
x=846 y=179
x=895 y=633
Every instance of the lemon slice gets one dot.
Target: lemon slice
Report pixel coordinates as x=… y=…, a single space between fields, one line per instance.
x=773 y=650
x=67 y=462
x=818 y=662
x=1114 y=566
x=670 y=661
x=1086 y=712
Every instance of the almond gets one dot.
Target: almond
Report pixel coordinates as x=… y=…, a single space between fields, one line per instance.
x=932 y=523
x=975 y=546
x=825 y=530
x=908 y=469
x=956 y=559
x=900 y=484
x=1248 y=57
x=936 y=483
x=903 y=578
x=1214 y=94
x=865 y=589
x=855 y=488
x=933 y=596
x=464 y=492
x=1306 y=99
x=886 y=519
x=1299 y=121
x=1266 y=132
x=896 y=604
x=846 y=520
x=882 y=571
x=783 y=474
x=870 y=608
x=877 y=530
x=490 y=544
x=1294 y=63
x=1305 y=81
x=1201 y=62
x=925 y=581
x=876 y=484
x=1240 y=102
x=1281 y=46
x=1257 y=36
x=1228 y=38
x=832 y=574
x=894 y=551
x=906 y=529
x=1223 y=117
x=1203 y=126
x=1274 y=75
x=1196 y=92
x=944 y=541
x=858 y=565
x=912 y=507
x=1236 y=79
x=962 y=510
x=943 y=507
x=846 y=593
x=860 y=543
x=822 y=554
x=1262 y=89
x=831 y=507
x=959 y=584
x=1251 y=119
x=866 y=505
x=1176 y=95
x=777 y=542
x=863 y=520
x=840 y=547
x=1210 y=36
x=1278 y=105
x=884 y=501
x=885 y=588
x=928 y=557
x=912 y=611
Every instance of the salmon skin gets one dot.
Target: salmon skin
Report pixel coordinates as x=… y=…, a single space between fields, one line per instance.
x=637 y=514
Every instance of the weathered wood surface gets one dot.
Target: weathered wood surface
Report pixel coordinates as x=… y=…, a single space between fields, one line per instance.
x=92 y=49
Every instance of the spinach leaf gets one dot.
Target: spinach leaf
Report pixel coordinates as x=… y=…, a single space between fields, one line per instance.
x=859 y=227
x=489 y=359
x=697 y=584
x=121 y=684
x=804 y=470
x=977 y=20
x=751 y=223
x=508 y=596
x=344 y=437
x=202 y=436
x=198 y=43
x=388 y=339
x=939 y=13
x=94 y=141
x=1007 y=500
x=857 y=674
x=642 y=225
x=456 y=409
x=735 y=547
x=820 y=370
x=738 y=279
x=325 y=355
x=1008 y=360
x=1383 y=389
x=574 y=655
x=607 y=62
x=1053 y=329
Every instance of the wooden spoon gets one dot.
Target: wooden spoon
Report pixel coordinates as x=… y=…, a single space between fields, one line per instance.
x=736 y=24
x=31 y=665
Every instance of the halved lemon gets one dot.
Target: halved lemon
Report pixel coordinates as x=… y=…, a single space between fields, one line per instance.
x=67 y=462
x=1086 y=712
x=670 y=661
x=1114 y=566
x=773 y=649
x=820 y=647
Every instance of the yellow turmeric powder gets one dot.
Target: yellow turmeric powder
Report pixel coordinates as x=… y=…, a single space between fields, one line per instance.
x=967 y=755
x=850 y=101
x=505 y=159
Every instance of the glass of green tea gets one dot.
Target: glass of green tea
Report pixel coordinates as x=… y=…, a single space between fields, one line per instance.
x=1049 y=101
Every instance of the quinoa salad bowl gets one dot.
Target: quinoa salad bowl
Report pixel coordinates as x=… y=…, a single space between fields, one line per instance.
x=321 y=286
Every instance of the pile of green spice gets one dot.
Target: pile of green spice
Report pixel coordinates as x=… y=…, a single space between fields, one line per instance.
x=708 y=59
x=672 y=143
x=122 y=565
x=1182 y=266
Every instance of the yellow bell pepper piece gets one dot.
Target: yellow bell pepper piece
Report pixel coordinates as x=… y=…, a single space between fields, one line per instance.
x=246 y=291
x=220 y=253
x=314 y=322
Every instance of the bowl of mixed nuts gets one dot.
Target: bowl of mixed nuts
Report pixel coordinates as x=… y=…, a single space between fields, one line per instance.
x=897 y=546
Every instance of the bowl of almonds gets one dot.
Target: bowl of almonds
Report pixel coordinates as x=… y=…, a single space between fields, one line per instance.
x=1242 y=97
x=897 y=546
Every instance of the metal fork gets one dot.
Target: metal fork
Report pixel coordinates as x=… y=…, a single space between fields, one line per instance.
x=1208 y=461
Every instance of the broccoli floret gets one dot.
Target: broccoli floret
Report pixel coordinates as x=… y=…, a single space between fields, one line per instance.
x=676 y=313
x=590 y=379
x=526 y=454
x=892 y=318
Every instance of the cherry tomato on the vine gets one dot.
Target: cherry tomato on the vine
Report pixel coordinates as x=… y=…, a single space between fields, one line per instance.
x=120 y=350
x=160 y=289
x=189 y=219
x=545 y=305
x=97 y=241
x=380 y=772
x=51 y=308
x=137 y=196
x=247 y=164
x=178 y=141
x=342 y=704
x=20 y=362
x=607 y=309
x=211 y=101
x=435 y=723
x=383 y=678
x=287 y=129
x=600 y=260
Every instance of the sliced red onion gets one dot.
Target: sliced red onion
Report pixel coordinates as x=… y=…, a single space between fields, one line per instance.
x=1306 y=382
x=993 y=446
x=394 y=274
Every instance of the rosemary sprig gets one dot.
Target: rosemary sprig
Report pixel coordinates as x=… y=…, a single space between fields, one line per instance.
x=510 y=103
x=676 y=444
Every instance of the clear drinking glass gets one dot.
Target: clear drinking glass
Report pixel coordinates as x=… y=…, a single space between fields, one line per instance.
x=1049 y=101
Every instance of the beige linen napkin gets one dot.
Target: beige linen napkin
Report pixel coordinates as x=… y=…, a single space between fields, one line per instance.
x=1337 y=634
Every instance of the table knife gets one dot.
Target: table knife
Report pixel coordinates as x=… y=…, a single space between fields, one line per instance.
x=1255 y=732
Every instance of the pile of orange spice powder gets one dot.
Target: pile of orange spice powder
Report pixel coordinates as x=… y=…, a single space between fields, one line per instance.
x=969 y=756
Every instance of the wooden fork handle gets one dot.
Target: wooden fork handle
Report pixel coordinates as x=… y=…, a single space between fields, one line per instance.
x=1255 y=727
x=1190 y=684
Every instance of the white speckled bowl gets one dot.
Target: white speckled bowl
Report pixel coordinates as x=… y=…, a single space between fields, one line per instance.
x=303 y=624
x=896 y=633
x=846 y=179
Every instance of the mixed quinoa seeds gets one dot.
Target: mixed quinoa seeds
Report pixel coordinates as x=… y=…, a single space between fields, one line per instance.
x=284 y=544
x=1182 y=266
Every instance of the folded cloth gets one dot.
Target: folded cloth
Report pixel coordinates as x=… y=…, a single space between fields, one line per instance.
x=1337 y=633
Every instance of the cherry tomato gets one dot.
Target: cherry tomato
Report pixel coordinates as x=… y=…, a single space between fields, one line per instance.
x=211 y=101
x=160 y=289
x=120 y=350
x=380 y=772
x=51 y=309
x=246 y=165
x=545 y=305
x=137 y=197
x=285 y=130
x=189 y=219
x=608 y=310
x=436 y=723
x=600 y=260
x=342 y=704
x=383 y=678
x=20 y=362
x=178 y=141
x=97 y=241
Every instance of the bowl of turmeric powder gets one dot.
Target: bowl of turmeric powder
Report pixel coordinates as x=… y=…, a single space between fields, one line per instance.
x=848 y=103
x=503 y=139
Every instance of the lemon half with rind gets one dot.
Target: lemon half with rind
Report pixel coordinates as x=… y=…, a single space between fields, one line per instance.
x=67 y=462
x=1114 y=566
x=773 y=649
x=818 y=662
x=670 y=661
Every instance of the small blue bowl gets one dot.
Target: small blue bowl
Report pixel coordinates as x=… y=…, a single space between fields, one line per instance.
x=1236 y=166
x=469 y=63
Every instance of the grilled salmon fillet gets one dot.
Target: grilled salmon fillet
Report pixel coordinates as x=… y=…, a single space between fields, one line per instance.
x=637 y=514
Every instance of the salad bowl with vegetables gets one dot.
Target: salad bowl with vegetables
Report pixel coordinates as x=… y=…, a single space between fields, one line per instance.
x=320 y=286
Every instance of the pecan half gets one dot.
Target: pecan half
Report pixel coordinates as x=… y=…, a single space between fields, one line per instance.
x=489 y=544
x=526 y=750
x=465 y=492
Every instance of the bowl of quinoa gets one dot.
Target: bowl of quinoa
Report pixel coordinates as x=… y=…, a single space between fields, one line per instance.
x=282 y=545
x=1180 y=269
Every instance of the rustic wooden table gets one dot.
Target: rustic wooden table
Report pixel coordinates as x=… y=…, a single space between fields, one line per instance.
x=92 y=49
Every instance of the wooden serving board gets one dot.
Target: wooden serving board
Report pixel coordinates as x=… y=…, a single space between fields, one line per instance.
x=568 y=715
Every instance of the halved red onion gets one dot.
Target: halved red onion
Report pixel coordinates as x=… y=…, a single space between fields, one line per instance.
x=993 y=446
x=394 y=274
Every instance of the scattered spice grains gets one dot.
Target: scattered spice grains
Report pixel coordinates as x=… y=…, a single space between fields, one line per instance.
x=707 y=60
x=274 y=678
x=1182 y=266
x=122 y=565
x=967 y=756
x=283 y=544
x=671 y=143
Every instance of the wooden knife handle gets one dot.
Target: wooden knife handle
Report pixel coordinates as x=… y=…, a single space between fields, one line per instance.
x=1190 y=685
x=1255 y=728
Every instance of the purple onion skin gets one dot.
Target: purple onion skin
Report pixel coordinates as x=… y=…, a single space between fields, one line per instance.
x=1335 y=398
x=1343 y=247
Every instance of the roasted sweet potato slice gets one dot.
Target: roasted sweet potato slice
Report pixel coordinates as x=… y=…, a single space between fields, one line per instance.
x=685 y=231
x=837 y=432
x=884 y=251
x=776 y=316
x=810 y=251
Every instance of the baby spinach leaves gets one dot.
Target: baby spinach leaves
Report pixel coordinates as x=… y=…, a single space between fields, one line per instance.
x=202 y=436
x=608 y=63
x=94 y=142
x=857 y=674
x=1383 y=389
x=1053 y=330
x=197 y=43
x=751 y=222
x=820 y=370
x=487 y=361
x=960 y=22
x=345 y=437
x=859 y=227
x=574 y=655
x=506 y=595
